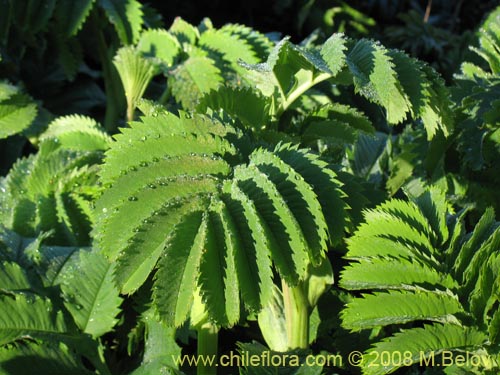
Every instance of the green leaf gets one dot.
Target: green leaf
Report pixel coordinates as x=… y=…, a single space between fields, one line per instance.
x=257 y=242
x=325 y=184
x=185 y=33
x=423 y=344
x=290 y=257
x=177 y=275
x=90 y=293
x=71 y=15
x=376 y=79
x=212 y=275
x=194 y=78
x=483 y=297
x=143 y=250
x=48 y=359
x=160 y=345
x=391 y=273
x=13 y=278
x=333 y=52
x=437 y=114
x=31 y=316
x=230 y=46
x=49 y=192
x=483 y=229
x=245 y=105
x=242 y=255
x=433 y=206
x=126 y=16
x=76 y=132
x=17 y=112
x=260 y=43
x=301 y=199
x=369 y=155
x=160 y=45
x=381 y=309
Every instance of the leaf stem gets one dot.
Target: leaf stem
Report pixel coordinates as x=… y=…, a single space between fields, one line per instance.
x=296 y=315
x=207 y=349
x=295 y=94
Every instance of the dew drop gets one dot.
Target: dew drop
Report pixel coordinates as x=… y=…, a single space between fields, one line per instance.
x=143 y=138
x=132 y=199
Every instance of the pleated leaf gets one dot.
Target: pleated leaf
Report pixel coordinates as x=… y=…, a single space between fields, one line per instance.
x=181 y=202
x=135 y=73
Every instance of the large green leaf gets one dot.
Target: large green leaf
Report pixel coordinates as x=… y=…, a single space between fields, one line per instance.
x=181 y=201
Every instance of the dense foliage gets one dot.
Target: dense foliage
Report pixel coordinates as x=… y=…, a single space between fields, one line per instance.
x=202 y=189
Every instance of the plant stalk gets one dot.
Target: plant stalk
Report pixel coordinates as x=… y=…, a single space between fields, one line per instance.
x=296 y=315
x=112 y=82
x=208 y=336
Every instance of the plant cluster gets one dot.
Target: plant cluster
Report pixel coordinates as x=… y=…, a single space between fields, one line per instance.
x=311 y=198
